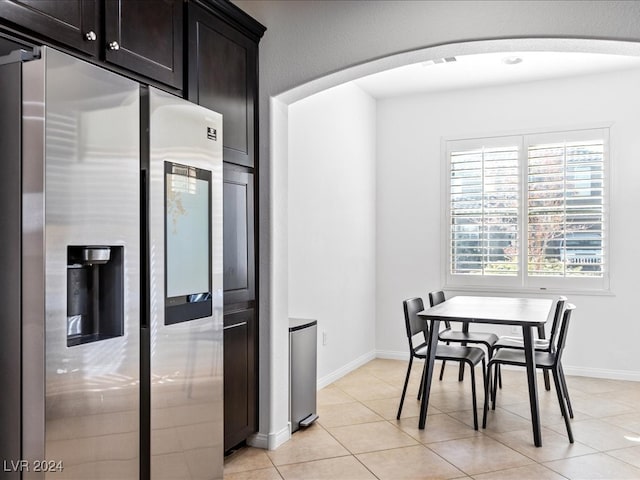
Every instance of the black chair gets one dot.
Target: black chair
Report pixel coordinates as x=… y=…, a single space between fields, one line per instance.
x=541 y=345
x=547 y=360
x=416 y=325
x=463 y=336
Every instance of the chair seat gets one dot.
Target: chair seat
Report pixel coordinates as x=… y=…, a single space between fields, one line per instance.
x=516 y=357
x=450 y=352
x=518 y=342
x=449 y=335
x=454 y=353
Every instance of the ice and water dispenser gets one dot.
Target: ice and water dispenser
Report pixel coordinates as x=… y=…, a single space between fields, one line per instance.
x=95 y=294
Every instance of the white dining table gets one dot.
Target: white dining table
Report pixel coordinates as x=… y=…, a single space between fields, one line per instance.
x=527 y=313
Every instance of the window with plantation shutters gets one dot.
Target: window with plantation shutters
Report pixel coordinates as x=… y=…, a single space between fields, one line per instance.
x=528 y=211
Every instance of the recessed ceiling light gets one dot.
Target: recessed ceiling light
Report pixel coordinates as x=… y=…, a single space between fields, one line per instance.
x=511 y=60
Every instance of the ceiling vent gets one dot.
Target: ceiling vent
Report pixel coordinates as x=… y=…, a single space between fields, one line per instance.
x=439 y=60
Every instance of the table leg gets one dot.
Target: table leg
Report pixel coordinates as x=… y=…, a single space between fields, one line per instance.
x=529 y=353
x=428 y=371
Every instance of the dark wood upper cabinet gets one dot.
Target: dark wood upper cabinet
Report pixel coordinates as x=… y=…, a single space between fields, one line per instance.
x=223 y=77
x=145 y=36
x=141 y=36
x=74 y=23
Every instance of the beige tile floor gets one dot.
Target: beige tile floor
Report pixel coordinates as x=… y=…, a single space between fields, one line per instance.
x=358 y=437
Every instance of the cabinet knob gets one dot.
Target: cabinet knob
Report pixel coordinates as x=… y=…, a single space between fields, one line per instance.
x=91 y=36
x=114 y=46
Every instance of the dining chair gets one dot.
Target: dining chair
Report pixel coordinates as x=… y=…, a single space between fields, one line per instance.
x=463 y=336
x=547 y=360
x=542 y=345
x=462 y=354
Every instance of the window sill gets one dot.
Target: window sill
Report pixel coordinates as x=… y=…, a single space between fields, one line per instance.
x=526 y=291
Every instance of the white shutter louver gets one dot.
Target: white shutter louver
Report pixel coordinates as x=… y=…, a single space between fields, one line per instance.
x=566 y=209
x=484 y=195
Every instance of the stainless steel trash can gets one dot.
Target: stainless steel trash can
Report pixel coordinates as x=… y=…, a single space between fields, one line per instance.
x=303 y=334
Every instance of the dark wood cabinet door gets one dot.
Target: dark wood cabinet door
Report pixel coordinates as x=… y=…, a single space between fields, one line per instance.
x=239 y=230
x=145 y=36
x=74 y=23
x=240 y=377
x=223 y=77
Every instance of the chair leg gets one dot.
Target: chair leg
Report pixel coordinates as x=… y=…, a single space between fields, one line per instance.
x=484 y=382
x=484 y=372
x=498 y=378
x=496 y=369
x=422 y=380
x=442 y=369
x=496 y=382
x=563 y=407
x=547 y=384
x=404 y=389
x=473 y=396
x=565 y=390
x=461 y=370
x=487 y=390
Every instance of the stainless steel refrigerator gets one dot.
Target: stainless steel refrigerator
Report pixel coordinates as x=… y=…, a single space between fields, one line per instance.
x=110 y=287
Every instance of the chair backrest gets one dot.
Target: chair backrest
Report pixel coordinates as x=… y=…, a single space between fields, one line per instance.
x=412 y=321
x=436 y=298
x=557 y=316
x=564 y=328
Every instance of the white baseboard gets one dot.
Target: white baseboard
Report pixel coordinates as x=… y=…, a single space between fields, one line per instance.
x=391 y=355
x=349 y=367
x=568 y=370
x=270 y=441
x=602 y=373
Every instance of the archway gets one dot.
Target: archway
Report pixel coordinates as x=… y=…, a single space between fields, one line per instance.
x=274 y=408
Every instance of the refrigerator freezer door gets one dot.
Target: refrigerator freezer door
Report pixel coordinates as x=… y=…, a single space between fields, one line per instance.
x=80 y=188
x=185 y=278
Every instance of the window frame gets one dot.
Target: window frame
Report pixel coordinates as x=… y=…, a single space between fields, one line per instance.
x=523 y=281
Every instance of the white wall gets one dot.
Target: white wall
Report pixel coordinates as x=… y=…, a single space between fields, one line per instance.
x=332 y=223
x=308 y=46
x=409 y=176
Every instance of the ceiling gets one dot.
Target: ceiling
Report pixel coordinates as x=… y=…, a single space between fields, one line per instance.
x=489 y=69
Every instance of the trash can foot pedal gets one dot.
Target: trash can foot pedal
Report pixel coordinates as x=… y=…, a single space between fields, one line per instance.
x=305 y=422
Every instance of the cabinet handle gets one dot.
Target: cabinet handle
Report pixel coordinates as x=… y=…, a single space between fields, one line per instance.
x=235 y=325
x=91 y=36
x=114 y=46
